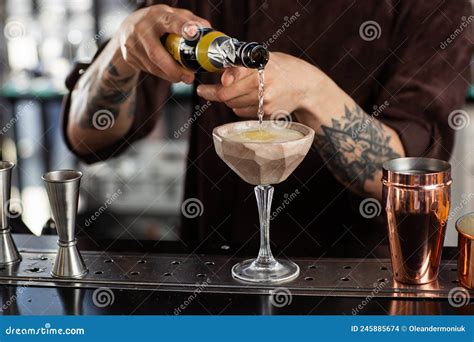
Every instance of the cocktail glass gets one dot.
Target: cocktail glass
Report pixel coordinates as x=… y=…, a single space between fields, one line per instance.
x=262 y=164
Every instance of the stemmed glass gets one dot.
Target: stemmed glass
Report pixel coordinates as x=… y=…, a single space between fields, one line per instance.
x=263 y=163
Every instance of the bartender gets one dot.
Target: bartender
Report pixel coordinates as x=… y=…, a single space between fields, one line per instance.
x=368 y=76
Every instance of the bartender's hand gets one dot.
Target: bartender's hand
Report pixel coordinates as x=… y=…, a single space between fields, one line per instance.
x=352 y=143
x=287 y=87
x=139 y=42
x=103 y=101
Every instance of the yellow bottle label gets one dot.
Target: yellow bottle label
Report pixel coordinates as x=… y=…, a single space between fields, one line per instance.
x=172 y=44
x=203 y=48
x=176 y=46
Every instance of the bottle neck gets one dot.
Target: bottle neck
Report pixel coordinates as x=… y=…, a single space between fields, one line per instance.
x=212 y=50
x=252 y=55
x=225 y=52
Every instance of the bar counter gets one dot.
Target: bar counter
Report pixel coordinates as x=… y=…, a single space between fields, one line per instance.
x=170 y=282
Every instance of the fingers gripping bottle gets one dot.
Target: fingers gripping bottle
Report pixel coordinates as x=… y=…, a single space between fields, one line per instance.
x=210 y=50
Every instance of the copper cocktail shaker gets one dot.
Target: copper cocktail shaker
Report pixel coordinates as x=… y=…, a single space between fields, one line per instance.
x=465 y=228
x=416 y=198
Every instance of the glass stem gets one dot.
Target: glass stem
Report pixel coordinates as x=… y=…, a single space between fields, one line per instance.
x=264 y=194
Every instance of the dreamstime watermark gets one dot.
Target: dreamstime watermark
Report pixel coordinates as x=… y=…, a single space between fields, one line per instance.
x=366 y=300
x=370 y=208
x=47 y=329
x=90 y=47
x=280 y=297
x=465 y=22
x=102 y=297
x=192 y=208
x=288 y=21
x=103 y=207
x=13 y=208
x=370 y=30
x=288 y=199
x=458 y=119
x=281 y=119
x=466 y=198
x=106 y=25
x=377 y=110
x=199 y=288
x=198 y=111
x=458 y=297
x=103 y=119
x=19 y=113
x=14 y=30
x=13 y=298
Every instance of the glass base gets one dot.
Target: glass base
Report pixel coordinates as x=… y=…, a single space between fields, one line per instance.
x=276 y=271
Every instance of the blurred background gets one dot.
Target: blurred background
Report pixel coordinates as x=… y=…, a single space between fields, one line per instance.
x=40 y=42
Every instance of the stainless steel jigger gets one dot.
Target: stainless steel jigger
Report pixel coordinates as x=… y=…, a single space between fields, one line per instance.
x=63 y=192
x=8 y=252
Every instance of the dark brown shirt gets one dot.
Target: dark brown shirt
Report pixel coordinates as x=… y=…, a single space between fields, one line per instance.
x=407 y=66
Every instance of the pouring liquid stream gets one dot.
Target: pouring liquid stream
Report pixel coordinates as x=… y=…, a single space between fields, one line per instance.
x=267 y=134
x=261 y=91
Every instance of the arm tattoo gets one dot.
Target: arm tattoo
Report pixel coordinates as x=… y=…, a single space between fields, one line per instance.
x=111 y=93
x=355 y=146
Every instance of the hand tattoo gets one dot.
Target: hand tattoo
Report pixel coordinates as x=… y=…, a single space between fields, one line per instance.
x=355 y=146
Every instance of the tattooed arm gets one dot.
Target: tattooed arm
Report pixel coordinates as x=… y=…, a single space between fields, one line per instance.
x=103 y=101
x=352 y=143
x=354 y=146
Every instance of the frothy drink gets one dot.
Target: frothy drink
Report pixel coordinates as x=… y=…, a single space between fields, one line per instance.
x=266 y=135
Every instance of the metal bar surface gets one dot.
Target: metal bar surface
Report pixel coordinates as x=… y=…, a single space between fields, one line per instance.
x=211 y=274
